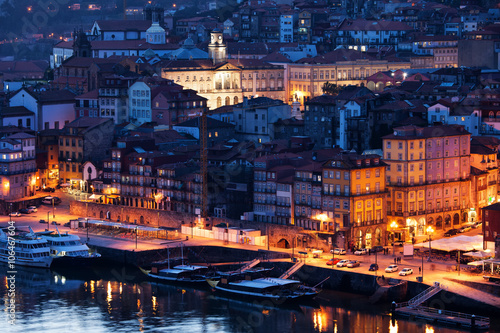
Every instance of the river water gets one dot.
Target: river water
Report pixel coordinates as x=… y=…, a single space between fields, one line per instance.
x=118 y=299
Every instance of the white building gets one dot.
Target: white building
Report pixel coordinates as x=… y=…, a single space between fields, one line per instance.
x=452 y=113
x=286 y=28
x=139 y=103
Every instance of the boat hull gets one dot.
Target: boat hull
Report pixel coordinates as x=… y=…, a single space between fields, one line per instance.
x=45 y=262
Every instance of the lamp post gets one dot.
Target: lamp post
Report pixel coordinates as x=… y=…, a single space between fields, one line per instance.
x=429 y=230
x=393 y=226
x=53 y=208
x=10 y=214
x=136 y=229
x=48 y=222
x=87 y=225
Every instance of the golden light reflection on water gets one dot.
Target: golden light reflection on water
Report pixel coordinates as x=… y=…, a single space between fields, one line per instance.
x=319 y=319
x=155 y=304
x=92 y=287
x=393 y=328
x=121 y=288
x=429 y=329
x=109 y=296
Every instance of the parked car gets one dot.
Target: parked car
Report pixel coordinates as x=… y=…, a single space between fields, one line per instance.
x=338 y=251
x=48 y=200
x=465 y=228
x=391 y=268
x=24 y=211
x=477 y=224
x=406 y=271
x=332 y=262
x=361 y=252
x=353 y=263
x=15 y=214
x=32 y=209
x=398 y=243
x=377 y=248
x=48 y=189
x=451 y=232
x=373 y=267
x=42 y=221
x=342 y=263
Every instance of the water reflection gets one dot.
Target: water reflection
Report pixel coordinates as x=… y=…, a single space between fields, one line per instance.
x=49 y=301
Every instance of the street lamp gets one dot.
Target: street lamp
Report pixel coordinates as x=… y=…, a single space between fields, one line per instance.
x=48 y=222
x=429 y=230
x=87 y=225
x=393 y=226
x=136 y=228
x=10 y=214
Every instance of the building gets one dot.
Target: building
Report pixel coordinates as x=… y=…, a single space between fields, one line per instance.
x=355 y=197
x=428 y=177
x=17 y=167
x=17 y=116
x=491 y=225
x=84 y=139
x=225 y=81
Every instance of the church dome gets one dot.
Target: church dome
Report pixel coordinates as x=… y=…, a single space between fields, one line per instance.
x=188 y=43
x=155 y=28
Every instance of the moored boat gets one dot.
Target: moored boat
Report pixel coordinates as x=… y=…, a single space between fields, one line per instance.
x=68 y=249
x=24 y=249
x=190 y=274
x=274 y=289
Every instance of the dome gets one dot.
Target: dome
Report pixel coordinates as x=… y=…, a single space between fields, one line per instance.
x=155 y=28
x=188 y=43
x=216 y=30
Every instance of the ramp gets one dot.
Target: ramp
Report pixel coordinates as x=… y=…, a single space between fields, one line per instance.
x=292 y=270
x=251 y=264
x=425 y=295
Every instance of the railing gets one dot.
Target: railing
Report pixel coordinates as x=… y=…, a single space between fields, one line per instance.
x=423 y=296
x=446 y=313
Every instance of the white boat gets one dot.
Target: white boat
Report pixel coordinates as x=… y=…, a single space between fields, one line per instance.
x=275 y=289
x=68 y=247
x=29 y=249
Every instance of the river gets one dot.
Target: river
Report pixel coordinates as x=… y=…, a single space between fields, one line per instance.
x=118 y=299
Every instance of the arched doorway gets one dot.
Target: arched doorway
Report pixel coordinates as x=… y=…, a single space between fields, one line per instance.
x=430 y=221
x=421 y=226
x=141 y=220
x=368 y=238
x=456 y=219
x=108 y=215
x=473 y=216
x=439 y=222
x=101 y=214
x=447 y=220
x=219 y=102
x=358 y=241
x=283 y=243
x=464 y=217
x=228 y=101
x=377 y=239
x=235 y=100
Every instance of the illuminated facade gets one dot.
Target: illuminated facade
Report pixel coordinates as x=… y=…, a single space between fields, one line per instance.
x=428 y=177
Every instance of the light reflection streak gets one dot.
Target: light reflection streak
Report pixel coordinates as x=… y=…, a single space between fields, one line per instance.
x=394 y=327
x=109 y=297
x=429 y=329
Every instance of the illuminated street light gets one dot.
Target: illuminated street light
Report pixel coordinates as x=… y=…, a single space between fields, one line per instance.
x=430 y=231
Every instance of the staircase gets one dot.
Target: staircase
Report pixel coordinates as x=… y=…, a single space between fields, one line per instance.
x=251 y=264
x=292 y=270
x=424 y=296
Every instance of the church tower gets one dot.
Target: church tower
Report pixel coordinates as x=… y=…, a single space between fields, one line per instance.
x=81 y=45
x=217 y=48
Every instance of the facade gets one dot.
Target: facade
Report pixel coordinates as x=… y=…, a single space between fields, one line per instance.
x=18 y=167
x=491 y=225
x=17 y=116
x=87 y=105
x=85 y=139
x=428 y=176
x=355 y=197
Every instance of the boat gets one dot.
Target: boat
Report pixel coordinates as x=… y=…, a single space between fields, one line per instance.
x=29 y=250
x=275 y=289
x=67 y=248
x=191 y=274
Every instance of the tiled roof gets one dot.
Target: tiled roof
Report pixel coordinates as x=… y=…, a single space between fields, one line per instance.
x=276 y=57
x=365 y=25
x=426 y=132
x=337 y=56
x=15 y=111
x=211 y=123
x=93 y=94
x=123 y=25
x=86 y=122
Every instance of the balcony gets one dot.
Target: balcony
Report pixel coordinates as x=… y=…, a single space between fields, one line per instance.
x=399 y=213
x=439 y=210
x=421 y=212
x=413 y=213
x=492 y=182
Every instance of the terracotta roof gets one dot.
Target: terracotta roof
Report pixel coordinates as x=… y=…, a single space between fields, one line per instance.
x=15 y=111
x=123 y=25
x=276 y=57
x=426 y=132
x=93 y=94
x=337 y=56
x=365 y=25
x=87 y=122
x=211 y=123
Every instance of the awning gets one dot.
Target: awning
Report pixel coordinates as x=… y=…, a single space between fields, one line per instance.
x=458 y=243
x=112 y=196
x=65 y=185
x=95 y=196
x=479 y=254
x=475 y=263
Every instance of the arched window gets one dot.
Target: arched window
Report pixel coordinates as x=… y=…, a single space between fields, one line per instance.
x=219 y=102
x=235 y=100
x=491 y=115
x=498 y=114
x=228 y=101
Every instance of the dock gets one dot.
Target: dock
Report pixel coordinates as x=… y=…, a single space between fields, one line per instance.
x=416 y=311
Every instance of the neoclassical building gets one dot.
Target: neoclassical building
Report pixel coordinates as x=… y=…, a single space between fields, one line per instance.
x=225 y=81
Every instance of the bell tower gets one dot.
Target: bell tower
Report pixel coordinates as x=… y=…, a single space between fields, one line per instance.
x=81 y=44
x=217 y=48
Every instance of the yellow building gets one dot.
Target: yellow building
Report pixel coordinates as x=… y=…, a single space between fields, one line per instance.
x=307 y=76
x=354 y=194
x=428 y=179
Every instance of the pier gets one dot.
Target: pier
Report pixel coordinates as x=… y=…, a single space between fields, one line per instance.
x=415 y=310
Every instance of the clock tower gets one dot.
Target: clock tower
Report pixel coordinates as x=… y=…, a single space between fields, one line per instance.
x=217 y=48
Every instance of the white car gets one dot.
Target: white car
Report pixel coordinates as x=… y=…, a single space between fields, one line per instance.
x=32 y=209
x=339 y=251
x=361 y=252
x=15 y=214
x=343 y=263
x=406 y=271
x=391 y=268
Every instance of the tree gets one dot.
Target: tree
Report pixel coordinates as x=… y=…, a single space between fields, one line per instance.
x=330 y=88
